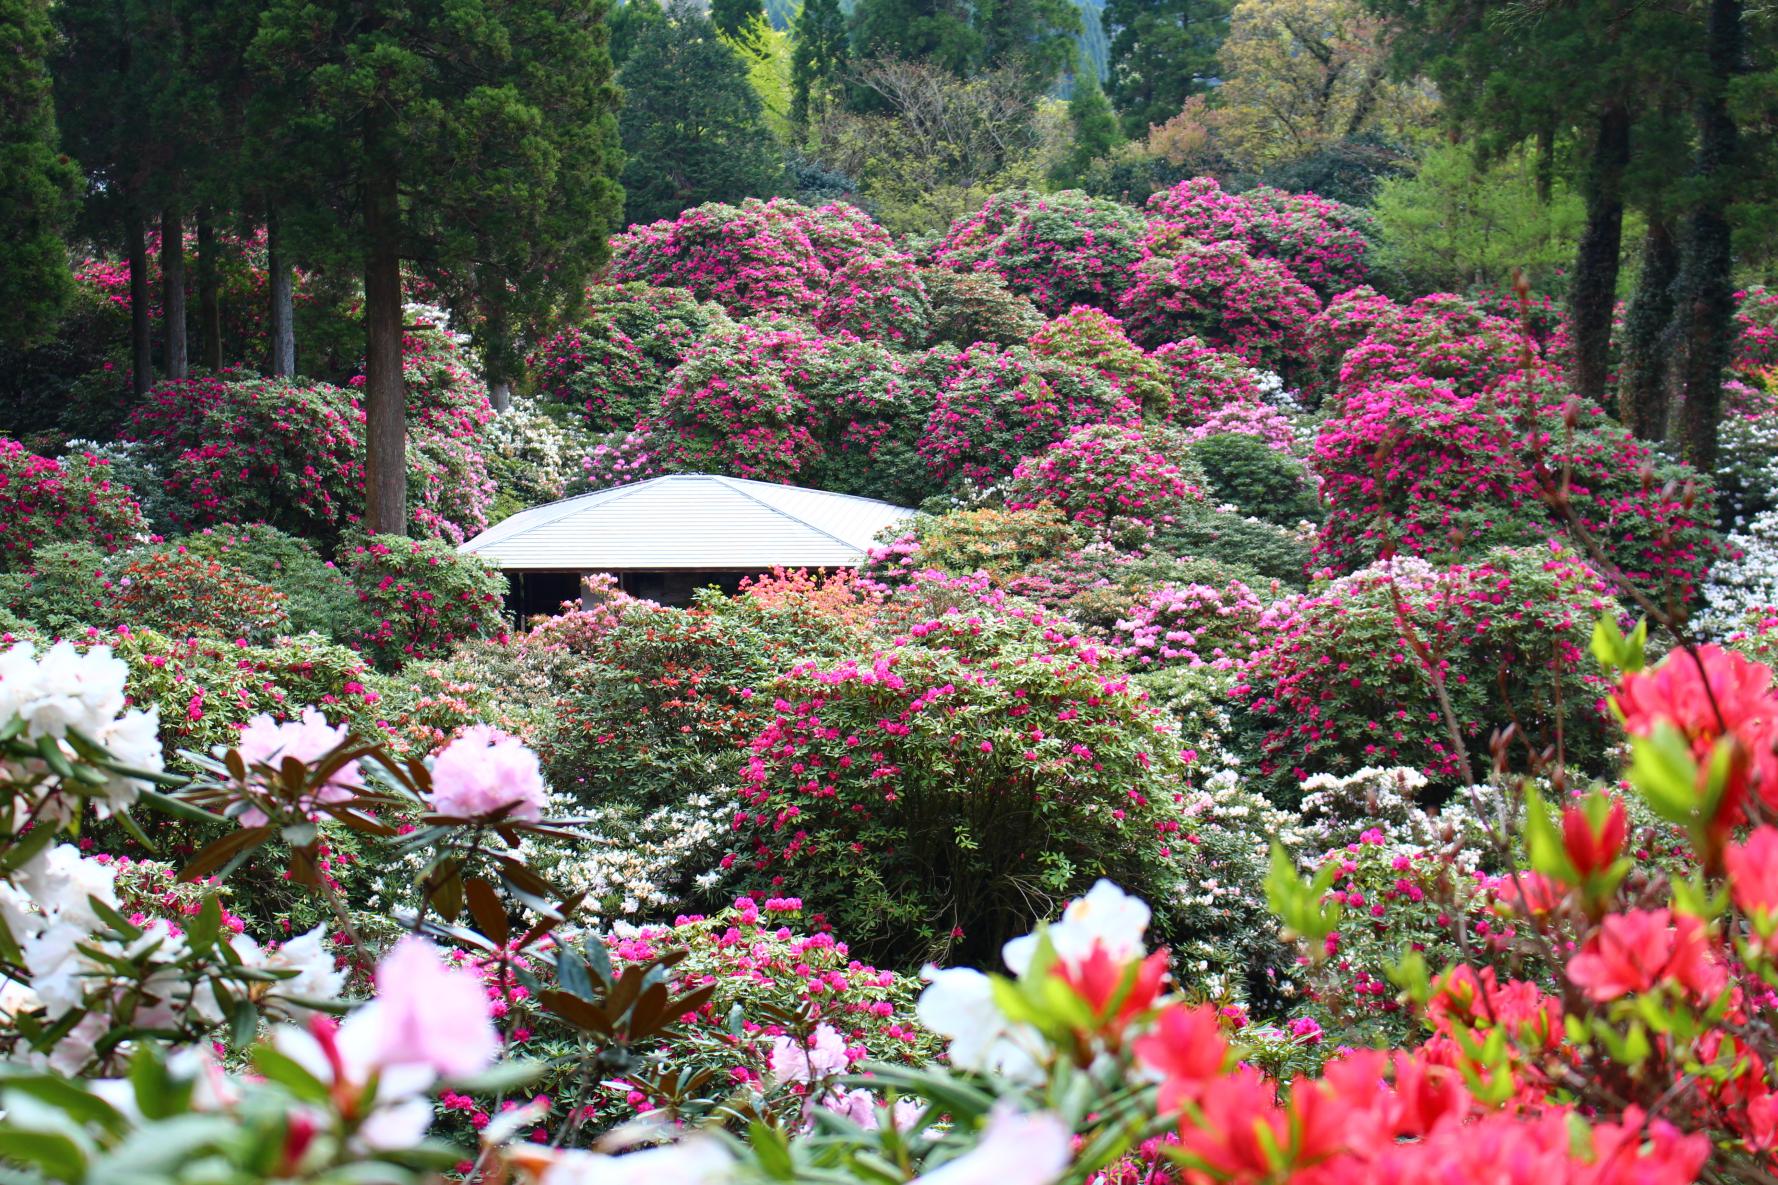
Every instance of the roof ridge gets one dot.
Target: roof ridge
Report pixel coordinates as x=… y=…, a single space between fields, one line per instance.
x=564 y=508
x=752 y=497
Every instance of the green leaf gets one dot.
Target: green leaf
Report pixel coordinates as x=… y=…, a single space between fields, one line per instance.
x=59 y=1156
x=288 y=1073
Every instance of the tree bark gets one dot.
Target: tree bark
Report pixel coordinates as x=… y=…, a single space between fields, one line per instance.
x=1647 y=369
x=385 y=397
x=1706 y=291
x=1592 y=293
x=173 y=292
x=283 y=310
x=209 y=299
x=141 y=338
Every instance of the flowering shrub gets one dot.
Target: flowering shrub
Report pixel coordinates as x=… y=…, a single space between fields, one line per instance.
x=778 y=258
x=999 y=542
x=743 y=258
x=1218 y=292
x=613 y=363
x=1111 y=479
x=1194 y=624
x=773 y=403
x=1423 y=468
x=877 y=298
x=75 y=498
x=918 y=794
x=1445 y=339
x=531 y=456
x=189 y=594
x=1059 y=249
x=281 y=451
x=621 y=459
x=995 y=406
x=1746 y=579
x=661 y=707
x=1344 y=322
x=1323 y=243
x=203 y=688
x=317 y=595
x=1348 y=673
x=1094 y=340
x=423 y=597
x=970 y=307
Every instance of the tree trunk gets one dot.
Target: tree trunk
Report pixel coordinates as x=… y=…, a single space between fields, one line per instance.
x=141 y=339
x=385 y=398
x=173 y=292
x=1706 y=291
x=283 y=310
x=1592 y=293
x=1647 y=369
x=209 y=299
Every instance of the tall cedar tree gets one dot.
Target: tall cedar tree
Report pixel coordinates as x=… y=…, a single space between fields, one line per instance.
x=1162 y=53
x=111 y=76
x=1033 y=38
x=938 y=32
x=628 y=20
x=731 y=16
x=817 y=61
x=37 y=183
x=691 y=123
x=1705 y=289
x=1094 y=125
x=1592 y=74
x=474 y=138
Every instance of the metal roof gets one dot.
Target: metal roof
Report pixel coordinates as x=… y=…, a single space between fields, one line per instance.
x=688 y=522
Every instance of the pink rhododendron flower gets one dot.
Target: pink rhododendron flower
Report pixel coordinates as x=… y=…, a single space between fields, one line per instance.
x=485 y=772
x=265 y=741
x=1753 y=877
x=1718 y=694
x=426 y=1013
x=823 y=1057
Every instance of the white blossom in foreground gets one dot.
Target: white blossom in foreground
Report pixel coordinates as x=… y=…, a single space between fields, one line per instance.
x=66 y=691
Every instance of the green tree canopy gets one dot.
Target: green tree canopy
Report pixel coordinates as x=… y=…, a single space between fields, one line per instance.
x=476 y=138
x=1162 y=53
x=691 y=123
x=37 y=183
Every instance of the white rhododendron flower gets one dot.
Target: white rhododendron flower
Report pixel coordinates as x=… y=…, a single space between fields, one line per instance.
x=1015 y=1149
x=66 y=691
x=697 y=1161
x=1105 y=916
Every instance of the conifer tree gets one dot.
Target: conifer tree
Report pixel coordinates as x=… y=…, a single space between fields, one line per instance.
x=816 y=63
x=1162 y=53
x=482 y=151
x=37 y=183
x=692 y=125
x=731 y=16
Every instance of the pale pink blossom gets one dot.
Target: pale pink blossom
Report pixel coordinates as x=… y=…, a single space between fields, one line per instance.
x=485 y=771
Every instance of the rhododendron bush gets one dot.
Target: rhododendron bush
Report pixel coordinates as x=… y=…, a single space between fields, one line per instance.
x=989 y=757
x=1247 y=304
x=1419 y=466
x=43 y=500
x=1059 y=249
x=1403 y=663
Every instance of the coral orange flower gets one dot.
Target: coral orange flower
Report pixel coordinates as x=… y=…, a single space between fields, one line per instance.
x=1640 y=949
x=1186 y=1048
x=1714 y=695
